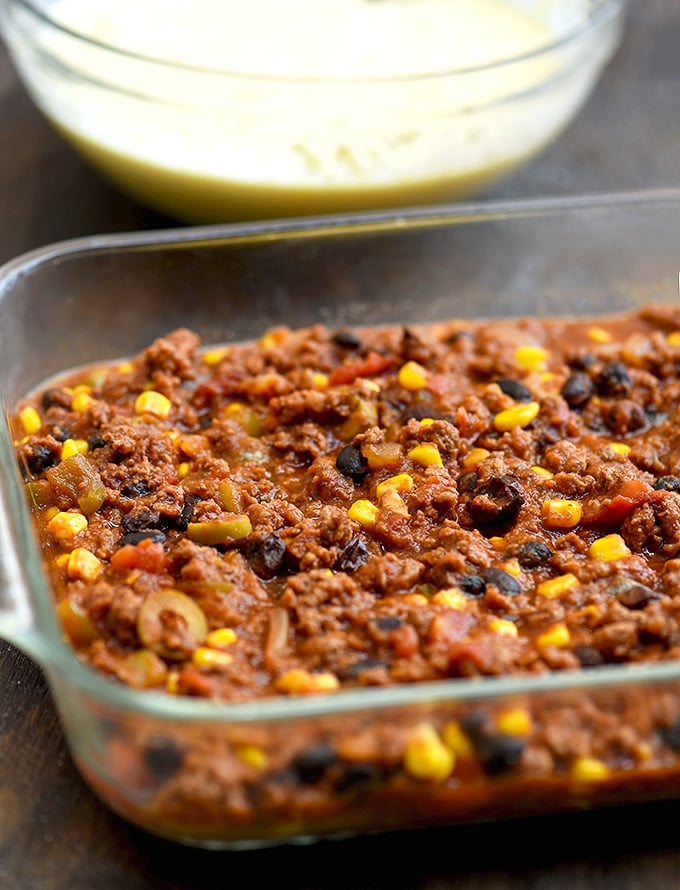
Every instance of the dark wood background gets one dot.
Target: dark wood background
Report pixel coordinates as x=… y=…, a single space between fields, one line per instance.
x=54 y=835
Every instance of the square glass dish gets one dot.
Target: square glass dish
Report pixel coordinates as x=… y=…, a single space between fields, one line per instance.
x=245 y=774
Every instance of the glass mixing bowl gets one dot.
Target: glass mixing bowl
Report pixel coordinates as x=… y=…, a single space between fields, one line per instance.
x=215 y=110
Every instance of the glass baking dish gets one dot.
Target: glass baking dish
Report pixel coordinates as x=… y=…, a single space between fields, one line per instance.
x=105 y=297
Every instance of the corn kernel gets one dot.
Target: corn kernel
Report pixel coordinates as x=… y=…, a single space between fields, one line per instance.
x=426 y=757
x=512 y=567
x=152 y=402
x=455 y=739
x=589 y=769
x=62 y=560
x=205 y=657
x=299 y=681
x=497 y=541
x=391 y=500
x=30 y=420
x=400 y=482
x=451 y=597
x=555 y=587
x=516 y=721
x=183 y=469
x=65 y=526
x=426 y=421
x=73 y=446
x=83 y=565
x=364 y=512
x=50 y=512
x=172 y=682
x=273 y=338
x=81 y=401
x=222 y=636
x=673 y=338
x=476 y=456
x=517 y=416
x=541 y=471
x=214 y=356
x=252 y=756
x=561 y=513
x=503 y=627
x=531 y=358
x=426 y=455
x=412 y=376
x=599 y=335
x=415 y=599
x=619 y=448
x=608 y=548
x=558 y=636
x=320 y=380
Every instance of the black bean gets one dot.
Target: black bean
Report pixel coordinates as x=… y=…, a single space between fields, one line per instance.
x=498 y=752
x=583 y=362
x=468 y=482
x=186 y=513
x=140 y=520
x=352 y=557
x=310 y=765
x=135 y=537
x=632 y=594
x=268 y=556
x=351 y=462
x=667 y=483
x=352 y=671
x=61 y=433
x=577 y=389
x=457 y=336
x=55 y=398
x=502 y=581
x=614 y=380
x=164 y=757
x=496 y=501
x=41 y=458
x=588 y=656
x=513 y=388
x=389 y=622
x=532 y=554
x=472 y=585
x=419 y=411
x=135 y=489
x=96 y=440
x=355 y=776
x=347 y=339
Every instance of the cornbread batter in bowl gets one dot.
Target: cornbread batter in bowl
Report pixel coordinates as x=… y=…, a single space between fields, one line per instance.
x=216 y=110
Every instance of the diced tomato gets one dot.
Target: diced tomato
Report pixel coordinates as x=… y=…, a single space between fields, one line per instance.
x=371 y=366
x=148 y=556
x=612 y=511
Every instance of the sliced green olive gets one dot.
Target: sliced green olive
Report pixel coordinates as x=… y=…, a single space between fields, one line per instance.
x=364 y=415
x=171 y=624
x=142 y=669
x=220 y=531
x=78 y=479
x=76 y=623
x=230 y=496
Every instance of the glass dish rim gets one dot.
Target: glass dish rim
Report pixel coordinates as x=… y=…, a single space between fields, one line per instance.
x=44 y=644
x=598 y=16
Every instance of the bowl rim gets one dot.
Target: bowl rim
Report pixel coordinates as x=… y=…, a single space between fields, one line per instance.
x=599 y=14
x=55 y=657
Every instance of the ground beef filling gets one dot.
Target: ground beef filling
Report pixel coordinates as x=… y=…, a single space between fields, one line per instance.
x=325 y=509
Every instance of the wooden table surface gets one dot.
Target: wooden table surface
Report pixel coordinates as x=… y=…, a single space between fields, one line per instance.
x=55 y=834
